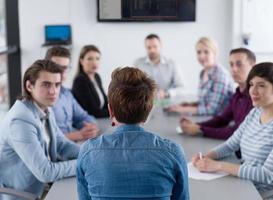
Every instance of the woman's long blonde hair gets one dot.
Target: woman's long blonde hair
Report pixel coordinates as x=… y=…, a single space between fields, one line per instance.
x=210 y=43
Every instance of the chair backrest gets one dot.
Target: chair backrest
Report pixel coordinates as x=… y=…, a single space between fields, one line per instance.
x=17 y=193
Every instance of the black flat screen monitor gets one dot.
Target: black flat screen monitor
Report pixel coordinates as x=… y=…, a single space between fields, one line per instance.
x=146 y=10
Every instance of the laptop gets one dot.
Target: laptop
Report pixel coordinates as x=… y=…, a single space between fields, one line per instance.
x=57 y=35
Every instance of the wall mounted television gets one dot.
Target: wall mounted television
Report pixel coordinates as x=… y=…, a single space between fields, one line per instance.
x=146 y=10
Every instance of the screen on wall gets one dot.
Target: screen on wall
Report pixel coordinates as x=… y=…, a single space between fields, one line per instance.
x=146 y=10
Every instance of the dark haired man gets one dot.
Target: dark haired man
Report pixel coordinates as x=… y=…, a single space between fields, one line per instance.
x=241 y=62
x=71 y=118
x=162 y=70
x=31 y=144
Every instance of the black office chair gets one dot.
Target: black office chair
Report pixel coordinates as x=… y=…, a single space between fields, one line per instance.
x=17 y=193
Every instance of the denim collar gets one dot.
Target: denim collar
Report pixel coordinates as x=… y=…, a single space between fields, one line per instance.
x=128 y=127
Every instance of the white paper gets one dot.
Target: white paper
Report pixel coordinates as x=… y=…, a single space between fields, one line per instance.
x=194 y=173
x=179 y=130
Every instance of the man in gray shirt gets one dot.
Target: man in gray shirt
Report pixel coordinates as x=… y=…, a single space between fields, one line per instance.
x=162 y=70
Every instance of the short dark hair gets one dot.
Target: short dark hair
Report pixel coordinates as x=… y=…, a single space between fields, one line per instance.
x=57 y=51
x=32 y=73
x=263 y=70
x=250 y=55
x=85 y=49
x=131 y=94
x=152 y=36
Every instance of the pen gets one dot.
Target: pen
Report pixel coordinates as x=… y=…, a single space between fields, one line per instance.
x=200 y=156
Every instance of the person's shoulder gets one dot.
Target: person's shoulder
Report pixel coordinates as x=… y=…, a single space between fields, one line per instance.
x=255 y=111
x=93 y=145
x=172 y=146
x=221 y=70
x=79 y=79
x=80 y=76
x=163 y=143
x=65 y=91
x=170 y=61
x=23 y=109
x=140 y=61
x=22 y=112
x=253 y=115
x=88 y=145
x=221 y=74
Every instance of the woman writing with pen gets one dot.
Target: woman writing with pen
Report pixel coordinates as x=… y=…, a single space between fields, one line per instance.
x=254 y=136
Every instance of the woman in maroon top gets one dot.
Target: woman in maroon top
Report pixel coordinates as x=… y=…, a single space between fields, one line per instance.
x=223 y=125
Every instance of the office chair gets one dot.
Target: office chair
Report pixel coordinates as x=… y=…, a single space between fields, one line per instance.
x=17 y=193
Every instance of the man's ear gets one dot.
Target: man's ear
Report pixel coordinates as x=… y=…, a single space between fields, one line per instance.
x=29 y=86
x=111 y=113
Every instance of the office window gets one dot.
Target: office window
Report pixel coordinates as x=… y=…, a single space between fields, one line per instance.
x=3 y=41
x=4 y=94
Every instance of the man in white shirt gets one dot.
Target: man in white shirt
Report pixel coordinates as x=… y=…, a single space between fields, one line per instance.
x=162 y=70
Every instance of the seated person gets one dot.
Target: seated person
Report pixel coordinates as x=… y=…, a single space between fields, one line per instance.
x=31 y=143
x=162 y=70
x=215 y=85
x=131 y=163
x=87 y=86
x=241 y=62
x=74 y=122
x=254 y=136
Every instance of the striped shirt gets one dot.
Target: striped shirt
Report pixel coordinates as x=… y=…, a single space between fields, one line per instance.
x=256 y=142
x=214 y=94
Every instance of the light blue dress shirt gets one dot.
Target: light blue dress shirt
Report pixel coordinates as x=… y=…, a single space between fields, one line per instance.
x=68 y=112
x=25 y=161
x=166 y=74
x=131 y=164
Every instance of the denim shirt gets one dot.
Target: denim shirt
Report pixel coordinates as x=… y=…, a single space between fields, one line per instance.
x=131 y=163
x=68 y=112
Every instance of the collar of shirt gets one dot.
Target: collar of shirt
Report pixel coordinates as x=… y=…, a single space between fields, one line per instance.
x=62 y=90
x=212 y=71
x=243 y=93
x=43 y=115
x=163 y=60
x=128 y=127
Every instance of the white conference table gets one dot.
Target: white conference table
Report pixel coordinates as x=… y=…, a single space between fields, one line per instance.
x=164 y=124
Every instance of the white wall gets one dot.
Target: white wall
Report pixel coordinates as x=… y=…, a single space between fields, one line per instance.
x=237 y=31
x=121 y=43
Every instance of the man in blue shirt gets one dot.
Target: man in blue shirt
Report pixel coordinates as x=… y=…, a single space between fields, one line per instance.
x=131 y=163
x=74 y=122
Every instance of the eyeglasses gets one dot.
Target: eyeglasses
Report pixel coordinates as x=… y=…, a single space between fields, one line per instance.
x=66 y=67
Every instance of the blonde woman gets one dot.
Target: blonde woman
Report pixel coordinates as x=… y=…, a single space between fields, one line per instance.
x=215 y=85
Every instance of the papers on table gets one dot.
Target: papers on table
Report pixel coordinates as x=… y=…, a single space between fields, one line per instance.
x=194 y=173
x=179 y=130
